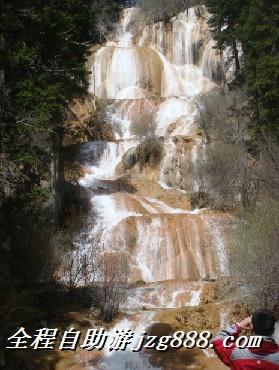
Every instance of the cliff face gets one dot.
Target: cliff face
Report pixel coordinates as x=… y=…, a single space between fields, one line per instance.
x=139 y=169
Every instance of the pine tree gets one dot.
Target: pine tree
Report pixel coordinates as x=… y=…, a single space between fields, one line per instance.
x=44 y=46
x=226 y=24
x=44 y=51
x=260 y=41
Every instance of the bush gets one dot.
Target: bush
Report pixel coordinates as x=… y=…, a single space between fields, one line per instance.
x=150 y=151
x=113 y=272
x=267 y=171
x=255 y=257
x=145 y=126
x=227 y=169
x=225 y=172
x=224 y=117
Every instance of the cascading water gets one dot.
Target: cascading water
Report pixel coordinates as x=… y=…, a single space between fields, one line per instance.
x=158 y=71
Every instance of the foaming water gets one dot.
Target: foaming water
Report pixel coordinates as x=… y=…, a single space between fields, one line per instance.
x=171 y=111
x=154 y=74
x=128 y=359
x=166 y=61
x=276 y=334
x=220 y=247
x=168 y=294
x=176 y=239
x=107 y=163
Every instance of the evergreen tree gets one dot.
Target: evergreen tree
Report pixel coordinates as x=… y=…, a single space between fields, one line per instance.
x=260 y=41
x=225 y=23
x=44 y=48
x=44 y=45
x=255 y=25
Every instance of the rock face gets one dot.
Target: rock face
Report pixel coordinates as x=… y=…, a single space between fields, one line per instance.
x=148 y=153
x=85 y=122
x=178 y=168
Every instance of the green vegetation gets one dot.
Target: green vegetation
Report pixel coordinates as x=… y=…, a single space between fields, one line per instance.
x=226 y=24
x=44 y=50
x=242 y=162
x=44 y=46
x=254 y=24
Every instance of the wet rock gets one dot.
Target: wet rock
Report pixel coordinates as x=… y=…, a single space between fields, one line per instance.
x=129 y=159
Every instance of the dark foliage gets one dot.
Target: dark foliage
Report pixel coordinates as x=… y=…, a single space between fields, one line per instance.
x=254 y=26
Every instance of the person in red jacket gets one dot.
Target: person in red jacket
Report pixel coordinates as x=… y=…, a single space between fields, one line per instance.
x=266 y=357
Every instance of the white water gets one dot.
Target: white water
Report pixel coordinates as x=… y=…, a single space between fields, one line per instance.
x=128 y=359
x=168 y=62
x=172 y=294
x=158 y=72
x=106 y=166
x=180 y=110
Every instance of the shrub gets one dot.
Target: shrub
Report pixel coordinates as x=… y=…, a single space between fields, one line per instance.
x=150 y=151
x=225 y=172
x=113 y=272
x=227 y=169
x=255 y=257
x=144 y=127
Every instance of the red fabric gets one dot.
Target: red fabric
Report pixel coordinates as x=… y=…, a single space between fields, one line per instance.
x=225 y=355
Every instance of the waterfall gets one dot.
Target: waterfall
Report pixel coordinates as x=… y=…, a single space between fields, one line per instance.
x=105 y=167
x=158 y=71
x=176 y=110
x=161 y=60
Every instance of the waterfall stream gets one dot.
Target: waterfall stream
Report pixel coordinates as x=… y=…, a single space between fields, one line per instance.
x=160 y=71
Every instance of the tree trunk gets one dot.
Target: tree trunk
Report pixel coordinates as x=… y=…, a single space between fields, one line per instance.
x=236 y=57
x=57 y=177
